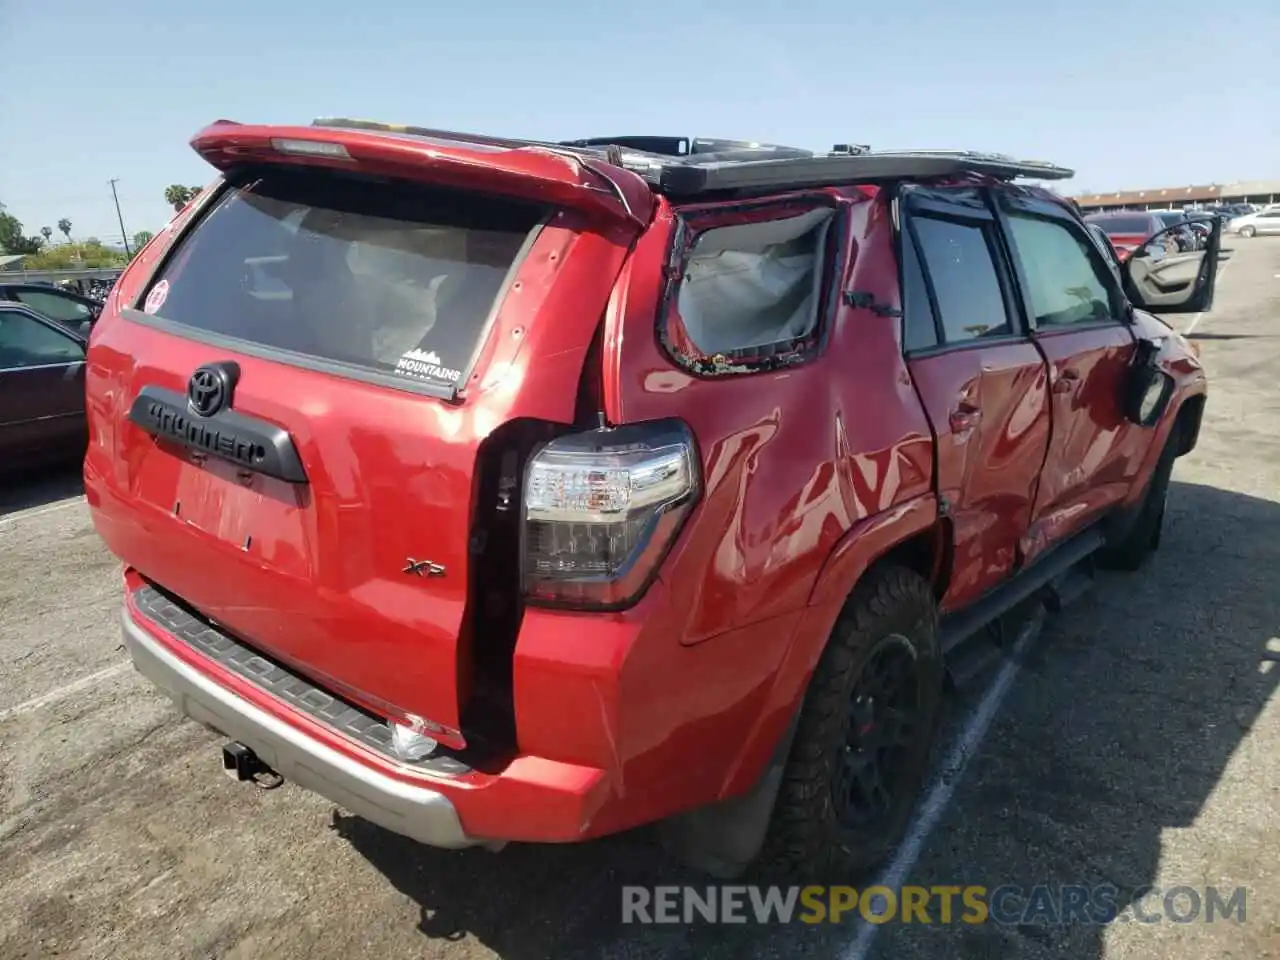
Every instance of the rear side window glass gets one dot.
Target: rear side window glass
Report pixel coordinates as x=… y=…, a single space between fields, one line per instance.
x=28 y=343
x=749 y=286
x=52 y=305
x=1065 y=283
x=965 y=283
x=919 y=332
x=395 y=279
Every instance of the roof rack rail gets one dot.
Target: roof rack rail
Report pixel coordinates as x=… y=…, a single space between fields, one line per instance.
x=744 y=167
x=691 y=178
x=701 y=147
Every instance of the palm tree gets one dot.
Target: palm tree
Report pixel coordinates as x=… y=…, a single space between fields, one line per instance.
x=47 y=232
x=64 y=225
x=176 y=195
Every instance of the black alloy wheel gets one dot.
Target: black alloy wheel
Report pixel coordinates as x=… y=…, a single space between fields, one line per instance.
x=881 y=726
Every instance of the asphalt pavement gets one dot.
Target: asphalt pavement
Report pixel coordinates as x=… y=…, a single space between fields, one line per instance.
x=1132 y=745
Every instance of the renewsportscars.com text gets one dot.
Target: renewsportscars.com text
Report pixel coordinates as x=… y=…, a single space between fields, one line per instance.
x=940 y=904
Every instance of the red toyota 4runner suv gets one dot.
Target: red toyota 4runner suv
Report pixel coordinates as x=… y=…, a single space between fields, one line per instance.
x=518 y=491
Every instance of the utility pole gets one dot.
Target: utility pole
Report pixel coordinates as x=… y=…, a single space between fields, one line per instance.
x=123 y=236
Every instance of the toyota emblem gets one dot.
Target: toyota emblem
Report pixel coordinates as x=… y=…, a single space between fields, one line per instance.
x=209 y=389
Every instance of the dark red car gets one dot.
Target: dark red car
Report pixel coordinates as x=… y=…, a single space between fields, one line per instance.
x=1133 y=230
x=504 y=490
x=42 y=364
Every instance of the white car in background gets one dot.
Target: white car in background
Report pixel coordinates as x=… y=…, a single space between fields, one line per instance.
x=1264 y=221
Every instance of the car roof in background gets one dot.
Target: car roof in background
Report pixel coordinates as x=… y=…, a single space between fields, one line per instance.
x=1115 y=214
x=37 y=287
x=13 y=306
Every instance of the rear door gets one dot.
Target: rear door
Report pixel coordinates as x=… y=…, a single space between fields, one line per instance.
x=980 y=377
x=1074 y=302
x=41 y=388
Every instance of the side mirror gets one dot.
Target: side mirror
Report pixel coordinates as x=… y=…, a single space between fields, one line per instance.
x=1176 y=283
x=86 y=328
x=1147 y=388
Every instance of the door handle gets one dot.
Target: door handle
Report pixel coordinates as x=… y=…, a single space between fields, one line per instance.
x=1066 y=382
x=965 y=417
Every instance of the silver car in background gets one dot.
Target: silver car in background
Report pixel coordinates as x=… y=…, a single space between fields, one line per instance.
x=1258 y=223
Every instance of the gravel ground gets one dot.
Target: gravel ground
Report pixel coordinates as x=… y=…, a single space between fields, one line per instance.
x=1136 y=746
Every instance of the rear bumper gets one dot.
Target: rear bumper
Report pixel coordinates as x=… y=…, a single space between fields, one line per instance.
x=413 y=810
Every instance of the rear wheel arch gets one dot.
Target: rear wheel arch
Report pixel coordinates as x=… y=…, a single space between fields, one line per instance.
x=914 y=531
x=927 y=553
x=725 y=836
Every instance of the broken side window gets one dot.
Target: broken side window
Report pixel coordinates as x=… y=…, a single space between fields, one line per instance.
x=749 y=292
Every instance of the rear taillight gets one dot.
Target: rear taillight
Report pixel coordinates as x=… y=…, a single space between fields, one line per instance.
x=601 y=509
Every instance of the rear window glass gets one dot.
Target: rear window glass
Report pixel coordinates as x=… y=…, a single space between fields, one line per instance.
x=1142 y=225
x=399 y=280
x=754 y=285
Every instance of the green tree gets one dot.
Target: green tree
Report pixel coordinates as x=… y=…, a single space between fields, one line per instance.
x=47 y=233
x=64 y=227
x=12 y=239
x=141 y=239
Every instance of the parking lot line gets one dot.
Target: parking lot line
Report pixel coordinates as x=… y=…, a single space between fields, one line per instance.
x=53 y=696
x=1196 y=319
x=40 y=511
x=935 y=803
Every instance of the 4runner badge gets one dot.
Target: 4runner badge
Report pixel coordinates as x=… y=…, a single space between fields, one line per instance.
x=425 y=363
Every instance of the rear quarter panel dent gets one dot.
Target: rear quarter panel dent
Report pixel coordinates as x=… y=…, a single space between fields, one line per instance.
x=791 y=459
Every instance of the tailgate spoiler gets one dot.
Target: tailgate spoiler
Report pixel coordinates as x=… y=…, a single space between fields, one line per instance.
x=536 y=172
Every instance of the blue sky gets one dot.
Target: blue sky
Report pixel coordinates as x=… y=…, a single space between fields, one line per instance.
x=1116 y=90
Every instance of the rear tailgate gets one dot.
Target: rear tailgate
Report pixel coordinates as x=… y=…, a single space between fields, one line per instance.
x=285 y=435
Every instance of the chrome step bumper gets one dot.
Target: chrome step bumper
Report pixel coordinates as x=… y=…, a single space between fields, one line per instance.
x=414 y=811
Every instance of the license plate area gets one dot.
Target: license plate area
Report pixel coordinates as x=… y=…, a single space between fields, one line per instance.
x=234 y=507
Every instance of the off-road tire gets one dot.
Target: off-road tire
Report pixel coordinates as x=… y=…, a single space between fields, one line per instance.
x=1143 y=537
x=805 y=839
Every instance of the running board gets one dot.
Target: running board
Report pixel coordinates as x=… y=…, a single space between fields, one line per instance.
x=977 y=638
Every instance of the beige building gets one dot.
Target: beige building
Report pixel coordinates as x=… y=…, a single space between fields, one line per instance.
x=1244 y=191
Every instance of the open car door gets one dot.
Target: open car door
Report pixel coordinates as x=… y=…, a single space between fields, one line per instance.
x=1176 y=283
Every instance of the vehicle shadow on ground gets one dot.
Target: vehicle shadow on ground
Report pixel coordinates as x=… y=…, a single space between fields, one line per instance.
x=1121 y=724
x=22 y=490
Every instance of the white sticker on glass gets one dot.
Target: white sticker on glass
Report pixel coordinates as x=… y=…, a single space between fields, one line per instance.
x=425 y=365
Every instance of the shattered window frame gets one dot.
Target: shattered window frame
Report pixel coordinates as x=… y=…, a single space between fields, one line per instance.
x=693 y=223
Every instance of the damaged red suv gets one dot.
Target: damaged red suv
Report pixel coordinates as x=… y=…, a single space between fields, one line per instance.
x=519 y=491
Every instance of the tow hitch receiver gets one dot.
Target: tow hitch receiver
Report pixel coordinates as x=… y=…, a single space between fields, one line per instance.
x=241 y=764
